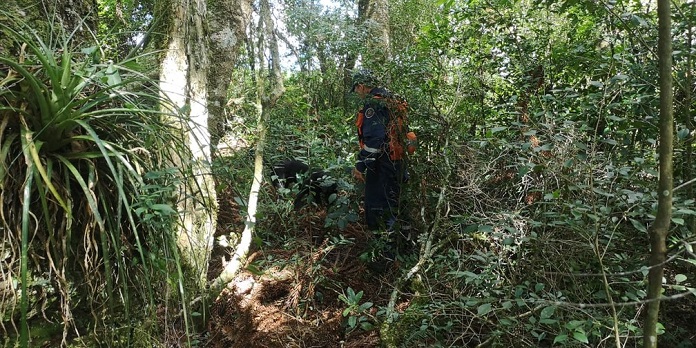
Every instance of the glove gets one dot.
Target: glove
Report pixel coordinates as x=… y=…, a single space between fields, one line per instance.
x=358 y=175
x=365 y=161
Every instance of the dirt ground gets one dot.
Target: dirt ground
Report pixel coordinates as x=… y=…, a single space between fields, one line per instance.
x=297 y=305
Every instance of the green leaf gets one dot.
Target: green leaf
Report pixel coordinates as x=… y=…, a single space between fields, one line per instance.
x=485 y=228
x=638 y=225
x=367 y=326
x=678 y=221
x=574 y=324
x=580 y=336
x=679 y=278
x=112 y=76
x=164 y=209
x=547 y=312
x=254 y=269
x=365 y=306
x=484 y=309
x=560 y=338
x=683 y=133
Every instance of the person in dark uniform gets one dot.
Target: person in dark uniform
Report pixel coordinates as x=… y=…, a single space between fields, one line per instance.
x=380 y=160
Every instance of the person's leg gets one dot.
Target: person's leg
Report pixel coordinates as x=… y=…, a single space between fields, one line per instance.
x=390 y=182
x=373 y=196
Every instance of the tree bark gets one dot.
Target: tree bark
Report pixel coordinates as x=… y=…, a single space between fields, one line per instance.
x=183 y=79
x=378 y=38
x=660 y=228
x=227 y=20
x=266 y=100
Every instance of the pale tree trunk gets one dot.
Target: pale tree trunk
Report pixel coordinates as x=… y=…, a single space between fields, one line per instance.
x=266 y=100
x=183 y=79
x=378 y=38
x=660 y=228
x=227 y=20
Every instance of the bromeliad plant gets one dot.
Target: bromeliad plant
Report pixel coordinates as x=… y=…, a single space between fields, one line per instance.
x=79 y=139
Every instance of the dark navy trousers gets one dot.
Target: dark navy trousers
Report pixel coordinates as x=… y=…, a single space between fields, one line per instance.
x=382 y=192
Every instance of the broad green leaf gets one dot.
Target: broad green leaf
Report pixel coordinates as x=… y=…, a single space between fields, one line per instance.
x=580 y=336
x=547 y=312
x=112 y=76
x=484 y=309
x=485 y=228
x=683 y=133
x=560 y=338
x=638 y=225
x=574 y=324
x=679 y=278
x=367 y=326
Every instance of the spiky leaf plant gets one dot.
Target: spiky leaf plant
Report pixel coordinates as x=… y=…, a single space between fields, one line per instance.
x=86 y=190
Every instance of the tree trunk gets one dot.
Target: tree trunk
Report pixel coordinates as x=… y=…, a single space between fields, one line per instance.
x=659 y=230
x=266 y=100
x=687 y=173
x=227 y=20
x=183 y=79
x=378 y=38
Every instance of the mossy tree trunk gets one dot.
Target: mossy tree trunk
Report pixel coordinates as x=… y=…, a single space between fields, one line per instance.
x=227 y=20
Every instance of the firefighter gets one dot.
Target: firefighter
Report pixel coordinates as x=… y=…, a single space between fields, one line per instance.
x=382 y=135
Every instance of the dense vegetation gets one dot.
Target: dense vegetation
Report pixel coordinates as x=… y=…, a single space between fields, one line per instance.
x=530 y=196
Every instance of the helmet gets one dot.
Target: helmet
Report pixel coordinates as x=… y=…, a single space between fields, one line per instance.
x=363 y=77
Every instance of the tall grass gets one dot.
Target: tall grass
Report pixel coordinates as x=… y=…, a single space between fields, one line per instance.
x=87 y=187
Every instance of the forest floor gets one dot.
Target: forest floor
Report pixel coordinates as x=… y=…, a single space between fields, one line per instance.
x=288 y=293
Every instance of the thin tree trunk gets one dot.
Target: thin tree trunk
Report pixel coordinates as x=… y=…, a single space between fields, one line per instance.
x=660 y=228
x=688 y=121
x=266 y=100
